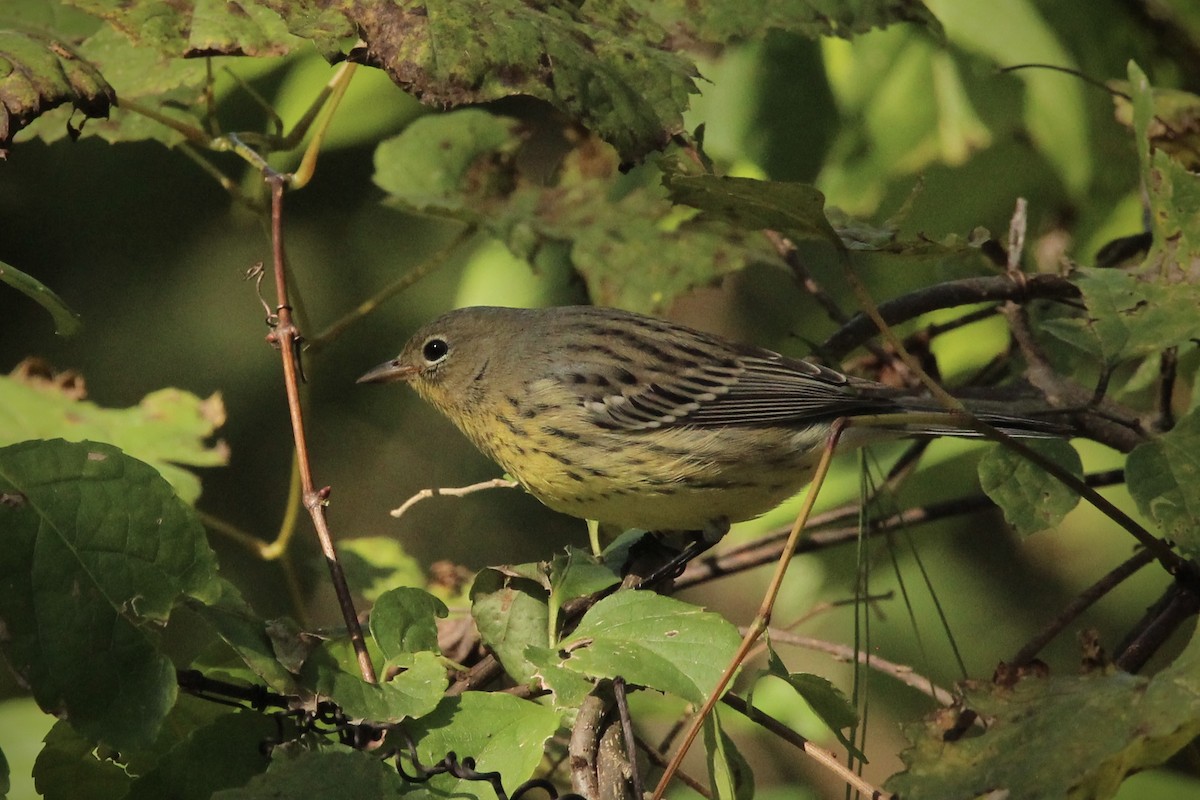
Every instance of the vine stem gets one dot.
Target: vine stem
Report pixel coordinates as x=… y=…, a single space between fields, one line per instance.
x=286 y=336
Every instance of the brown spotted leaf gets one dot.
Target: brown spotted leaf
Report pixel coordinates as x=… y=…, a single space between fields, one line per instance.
x=38 y=73
x=602 y=64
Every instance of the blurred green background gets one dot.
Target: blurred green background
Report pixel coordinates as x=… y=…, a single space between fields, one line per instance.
x=152 y=253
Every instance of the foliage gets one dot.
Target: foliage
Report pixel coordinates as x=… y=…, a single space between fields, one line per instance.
x=591 y=141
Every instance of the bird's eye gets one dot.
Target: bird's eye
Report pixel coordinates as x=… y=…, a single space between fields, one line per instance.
x=435 y=350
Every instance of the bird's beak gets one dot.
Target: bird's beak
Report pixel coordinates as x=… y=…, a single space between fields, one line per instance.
x=388 y=372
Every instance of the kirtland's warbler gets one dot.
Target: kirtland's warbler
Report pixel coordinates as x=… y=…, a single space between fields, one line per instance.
x=637 y=422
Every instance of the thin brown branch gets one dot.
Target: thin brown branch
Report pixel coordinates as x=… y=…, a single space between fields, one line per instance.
x=767 y=550
x=970 y=318
x=286 y=337
x=1081 y=603
x=1106 y=422
x=787 y=251
x=656 y=758
x=484 y=672
x=844 y=652
x=791 y=256
x=819 y=754
x=823 y=535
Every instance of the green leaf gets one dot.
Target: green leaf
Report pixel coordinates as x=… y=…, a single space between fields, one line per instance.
x=576 y=574
x=722 y=21
x=1032 y=745
x=729 y=776
x=1173 y=192
x=567 y=688
x=630 y=257
x=36 y=75
x=826 y=700
x=140 y=75
x=511 y=614
x=224 y=753
x=314 y=21
x=66 y=321
x=502 y=733
x=1163 y=475
x=330 y=772
x=443 y=160
x=246 y=634
x=1054 y=114
x=70 y=761
x=632 y=246
x=402 y=623
x=1031 y=498
x=166 y=428
x=796 y=210
x=69 y=768
x=98 y=548
x=376 y=564
x=1127 y=317
x=411 y=693
x=602 y=64
x=197 y=28
x=653 y=641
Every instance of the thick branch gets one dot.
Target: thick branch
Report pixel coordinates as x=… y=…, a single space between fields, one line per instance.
x=951 y=294
x=1177 y=604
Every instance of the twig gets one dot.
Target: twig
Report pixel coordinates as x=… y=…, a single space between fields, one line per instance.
x=844 y=652
x=1016 y=239
x=1178 y=603
x=622 y=703
x=1080 y=604
x=819 y=754
x=791 y=256
x=286 y=337
x=787 y=251
x=970 y=318
x=456 y=491
x=487 y=670
x=392 y=289
x=657 y=760
x=1168 y=364
x=1123 y=434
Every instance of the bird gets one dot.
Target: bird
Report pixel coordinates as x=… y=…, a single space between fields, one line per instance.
x=638 y=422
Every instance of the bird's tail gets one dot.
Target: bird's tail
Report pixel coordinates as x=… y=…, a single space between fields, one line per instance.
x=997 y=414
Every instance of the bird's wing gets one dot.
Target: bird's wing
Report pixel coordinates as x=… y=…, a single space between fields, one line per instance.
x=752 y=388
